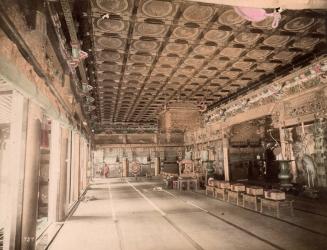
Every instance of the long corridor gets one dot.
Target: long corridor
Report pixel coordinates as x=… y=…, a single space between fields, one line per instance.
x=133 y=215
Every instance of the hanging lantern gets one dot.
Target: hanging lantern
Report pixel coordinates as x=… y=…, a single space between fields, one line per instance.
x=257 y=14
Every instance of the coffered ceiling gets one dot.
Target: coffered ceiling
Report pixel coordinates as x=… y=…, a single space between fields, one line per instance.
x=148 y=53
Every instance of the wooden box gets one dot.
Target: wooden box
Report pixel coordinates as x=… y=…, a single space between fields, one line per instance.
x=224 y=184
x=275 y=195
x=237 y=187
x=253 y=190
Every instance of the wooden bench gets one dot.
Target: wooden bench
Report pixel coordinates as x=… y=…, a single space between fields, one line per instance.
x=252 y=199
x=276 y=204
x=234 y=195
x=221 y=192
x=210 y=189
x=189 y=182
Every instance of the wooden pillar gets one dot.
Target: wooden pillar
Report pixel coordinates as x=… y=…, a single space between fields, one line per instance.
x=81 y=164
x=125 y=167
x=63 y=175
x=156 y=139
x=77 y=166
x=54 y=171
x=156 y=166
x=282 y=142
x=84 y=156
x=31 y=179
x=17 y=145
x=226 y=154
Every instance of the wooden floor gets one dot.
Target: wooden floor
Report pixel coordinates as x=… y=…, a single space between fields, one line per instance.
x=133 y=215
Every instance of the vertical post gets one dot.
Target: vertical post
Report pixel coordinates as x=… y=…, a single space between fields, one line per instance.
x=225 y=153
x=156 y=139
x=69 y=167
x=282 y=142
x=81 y=164
x=77 y=166
x=31 y=180
x=124 y=138
x=84 y=163
x=54 y=170
x=156 y=166
x=63 y=175
x=17 y=144
x=125 y=167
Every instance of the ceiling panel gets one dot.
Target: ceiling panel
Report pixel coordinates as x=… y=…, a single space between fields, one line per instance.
x=150 y=52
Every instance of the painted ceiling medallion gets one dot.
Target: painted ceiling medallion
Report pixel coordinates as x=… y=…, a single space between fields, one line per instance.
x=218 y=64
x=284 y=55
x=108 y=56
x=157 y=9
x=306 y=42
x=186 y=32
x=109 y=76
x=110 y=25
x=242 y=65
x=176 y=47
x=198 y=13
x=109 y=67
x=219 y=82
x=267 y=66
x=165 y=71
x=230 y=17
x=258 y=54
x=230 y=74
x=109 y=42
x=194 y=62
x=299 y=23
x=185 y=71
x=113 y=5
x=265 y=24
x=145 y=45
x=141 y=58
x=137 y=68
x=217 y=35
x=209 y=73
x=231 y=52
x=135 y=76
x=276 y=41
x=251 y=74
x=204 y=50
x=169 y=60
x=247 y=38
x=149 y=29
x=241 y=83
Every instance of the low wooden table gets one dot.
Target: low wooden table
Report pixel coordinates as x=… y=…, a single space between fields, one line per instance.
x=236 y=195
x=210 y=189
x=189 y=182
x=277 y=205
x=222 y=192
x=251 y=199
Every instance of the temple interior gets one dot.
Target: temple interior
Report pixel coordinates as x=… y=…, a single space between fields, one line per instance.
x=163 y=124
